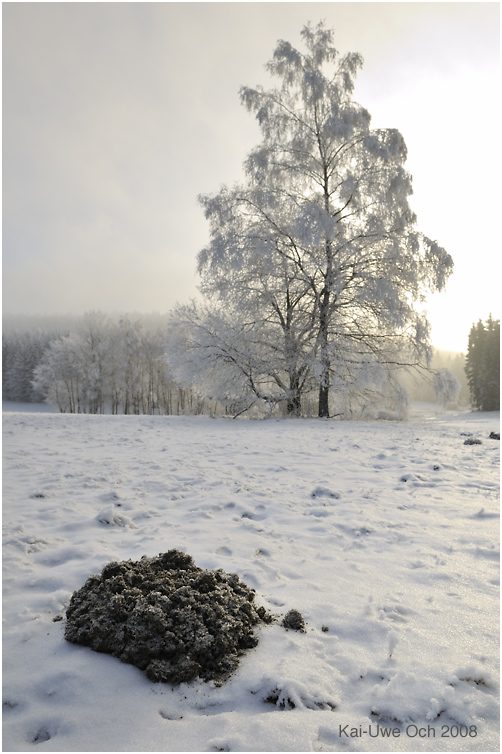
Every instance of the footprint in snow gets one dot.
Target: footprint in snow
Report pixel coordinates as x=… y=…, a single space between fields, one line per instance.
x=409 y=477
x=395 y=613
x=325 y=492
x=110 y=497
x=483 y=514
x=474 y=676
x=275 y=601
x=318 y=512
x=166 y=715
x=254 y=516
x=42 y=733
x=41 y=736
x=9 y=705
x=111 y=517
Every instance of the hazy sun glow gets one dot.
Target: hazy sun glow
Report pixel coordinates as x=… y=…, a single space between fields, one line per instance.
x=116 y=116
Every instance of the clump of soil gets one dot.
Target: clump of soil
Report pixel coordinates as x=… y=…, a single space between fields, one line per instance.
x=168 y=617
x=294 y=620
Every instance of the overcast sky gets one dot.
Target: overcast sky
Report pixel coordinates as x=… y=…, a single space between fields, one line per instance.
x=117 y=115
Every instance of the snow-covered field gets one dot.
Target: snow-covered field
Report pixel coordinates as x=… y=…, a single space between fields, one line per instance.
x=386 y=534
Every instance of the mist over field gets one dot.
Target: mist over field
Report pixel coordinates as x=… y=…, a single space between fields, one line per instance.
x=117 y=116
x=27 y=338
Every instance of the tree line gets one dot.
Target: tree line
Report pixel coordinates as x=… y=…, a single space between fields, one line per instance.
x=122 y=364
x=100 y=366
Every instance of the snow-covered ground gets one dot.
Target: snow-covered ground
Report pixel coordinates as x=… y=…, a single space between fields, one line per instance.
x=386 y=534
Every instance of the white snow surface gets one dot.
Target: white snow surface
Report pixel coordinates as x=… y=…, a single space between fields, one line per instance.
x=385 y=533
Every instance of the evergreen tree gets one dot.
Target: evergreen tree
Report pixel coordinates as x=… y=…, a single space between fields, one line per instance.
x=21 y=354
x=490 y=398
x=483 y=365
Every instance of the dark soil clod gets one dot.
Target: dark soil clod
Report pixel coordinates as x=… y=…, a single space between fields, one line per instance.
x=294 y=620
x=166 y=616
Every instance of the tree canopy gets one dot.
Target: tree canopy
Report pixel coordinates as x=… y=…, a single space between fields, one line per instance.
x=315 y=261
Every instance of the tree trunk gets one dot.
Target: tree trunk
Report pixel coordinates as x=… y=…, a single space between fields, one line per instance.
x=324 y=306
x=325 y=363
x=294 y=401
x=324 y=401
x=294 y=405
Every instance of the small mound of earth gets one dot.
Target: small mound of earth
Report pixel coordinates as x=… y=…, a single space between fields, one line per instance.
x=171 y=619
x=294 y=620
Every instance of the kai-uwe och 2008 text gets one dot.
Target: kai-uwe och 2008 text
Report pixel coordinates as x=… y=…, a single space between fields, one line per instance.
x=411 y=731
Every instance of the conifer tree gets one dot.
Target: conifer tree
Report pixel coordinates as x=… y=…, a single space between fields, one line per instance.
x=482 y=365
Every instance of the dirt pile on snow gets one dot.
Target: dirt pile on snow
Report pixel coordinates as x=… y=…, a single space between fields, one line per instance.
x=168 y=617
x=294 y=620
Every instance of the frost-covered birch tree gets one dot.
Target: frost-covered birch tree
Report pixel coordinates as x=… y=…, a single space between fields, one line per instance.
x=446 y=387
x=318 y=249
x=227 y=357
